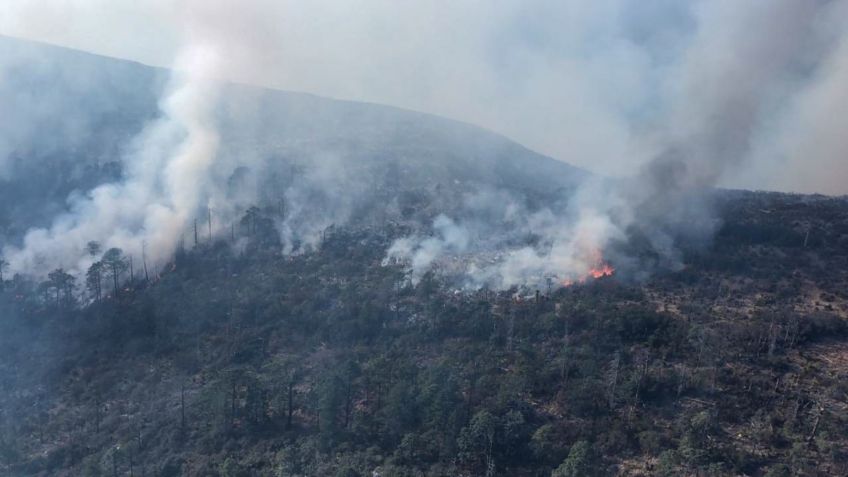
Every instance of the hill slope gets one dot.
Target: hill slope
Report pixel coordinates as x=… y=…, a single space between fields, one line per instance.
x=76 y=115
x=234 y=359
x=329 y=363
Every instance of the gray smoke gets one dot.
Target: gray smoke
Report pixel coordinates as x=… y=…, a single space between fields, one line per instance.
x=733 y=78
x=165 y=178
x=673 y=97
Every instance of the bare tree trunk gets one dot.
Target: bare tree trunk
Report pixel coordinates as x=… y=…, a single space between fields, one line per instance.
x=348 y=404
x=97 y=414
x=144 y=260
x=815 y=425
x=612 y=382
x=233 y=402
x=291 y=404
x=182 y=407
x=510 y=329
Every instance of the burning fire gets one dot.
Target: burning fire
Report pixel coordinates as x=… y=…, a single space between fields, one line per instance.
x=603 y=269
x=599 y=269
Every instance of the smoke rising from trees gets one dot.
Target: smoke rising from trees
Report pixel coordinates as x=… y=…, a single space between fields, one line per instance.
x=165 y=180
x=677 y=97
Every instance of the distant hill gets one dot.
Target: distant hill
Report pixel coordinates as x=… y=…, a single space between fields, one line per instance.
x=75 y=113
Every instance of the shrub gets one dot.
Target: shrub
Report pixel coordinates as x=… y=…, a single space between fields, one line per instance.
x=579 y=463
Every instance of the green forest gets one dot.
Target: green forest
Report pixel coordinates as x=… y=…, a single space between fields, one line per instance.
x=254 y=363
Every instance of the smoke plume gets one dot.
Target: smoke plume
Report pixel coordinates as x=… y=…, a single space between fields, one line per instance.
x=164 y=183
x=666 y=100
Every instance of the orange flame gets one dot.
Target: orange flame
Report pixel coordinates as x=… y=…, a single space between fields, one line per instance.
x=599 y=270
x=602 y=270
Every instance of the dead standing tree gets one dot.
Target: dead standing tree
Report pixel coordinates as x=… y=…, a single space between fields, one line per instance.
x=3 y=265
x=116 y=264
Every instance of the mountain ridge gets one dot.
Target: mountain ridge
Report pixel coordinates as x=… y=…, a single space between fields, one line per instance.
x=90 y=108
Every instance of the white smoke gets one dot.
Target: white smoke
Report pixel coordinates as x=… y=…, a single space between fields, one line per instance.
x=604 y=84
x=165 y=180
x=749 y=69
x=500 y=242
x=420 y=252
x=807 y=150
x=689 y=94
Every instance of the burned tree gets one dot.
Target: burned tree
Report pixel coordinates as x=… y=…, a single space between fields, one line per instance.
x=93 y=248
x=94 y=280
x=116 y=264
x=249 y=220
x=63 y=283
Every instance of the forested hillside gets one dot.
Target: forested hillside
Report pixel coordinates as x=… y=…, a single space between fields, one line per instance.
x=241 y=362
x=320 y=318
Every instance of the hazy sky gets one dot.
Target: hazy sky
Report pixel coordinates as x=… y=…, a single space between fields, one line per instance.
x=755 y=85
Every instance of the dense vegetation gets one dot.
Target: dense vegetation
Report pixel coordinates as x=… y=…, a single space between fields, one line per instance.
x=328 y=363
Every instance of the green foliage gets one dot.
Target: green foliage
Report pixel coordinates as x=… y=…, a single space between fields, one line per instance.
x=330 y=399
x=667 y=464
x=347 y=472
x=231 y=468
x=476 y=441
x=172 y=467
x=327 y=363
x=650 y=442
x=91 y=467
x=400 y=412
x=547 y=445
x=581 y=462
x=779 y=470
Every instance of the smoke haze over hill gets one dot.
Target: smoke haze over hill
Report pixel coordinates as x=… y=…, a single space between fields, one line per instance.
x=676 y=97
x=384 y=238
x=605 y=85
